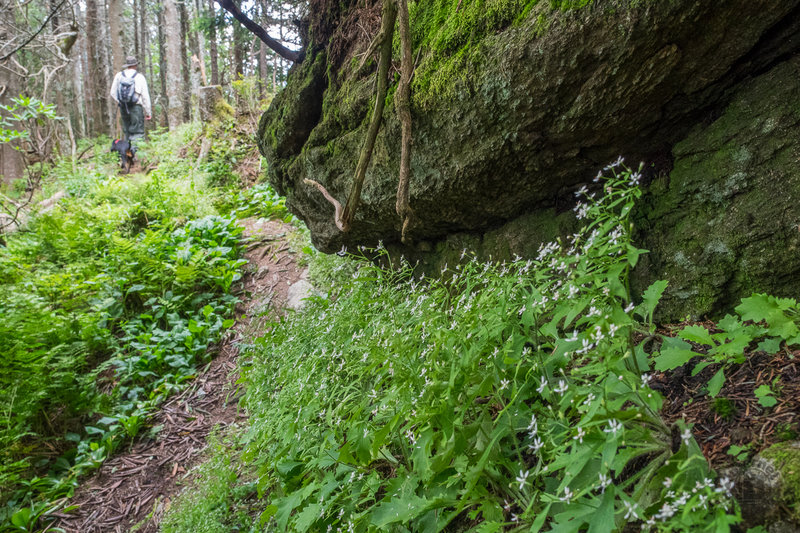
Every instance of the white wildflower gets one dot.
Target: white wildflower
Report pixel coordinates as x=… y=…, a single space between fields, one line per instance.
x=522 y=477
x=536 y=445
x=614 y=426
x=605 y=481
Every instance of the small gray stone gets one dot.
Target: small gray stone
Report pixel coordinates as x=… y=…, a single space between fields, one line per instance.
x=298 y=292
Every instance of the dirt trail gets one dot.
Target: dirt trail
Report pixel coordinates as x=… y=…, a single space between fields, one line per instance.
x=136 y=485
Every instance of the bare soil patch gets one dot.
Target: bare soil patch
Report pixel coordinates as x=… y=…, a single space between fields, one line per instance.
x=136 y=485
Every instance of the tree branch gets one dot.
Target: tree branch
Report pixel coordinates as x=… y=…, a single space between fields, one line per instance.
x=33 y=36
x=260 y=32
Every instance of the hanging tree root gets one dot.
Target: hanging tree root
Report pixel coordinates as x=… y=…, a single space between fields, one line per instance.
x=387 y=30
x=343 y=217
x=337 y=216
x=403 y=107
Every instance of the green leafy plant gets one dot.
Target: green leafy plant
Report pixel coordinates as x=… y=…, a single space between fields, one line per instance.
x=765 y=395
x=740 y=453
x=764 y=323
x=109 y=305
x=499 y=396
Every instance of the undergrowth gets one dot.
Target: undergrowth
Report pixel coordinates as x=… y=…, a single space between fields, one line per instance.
x=110 y=302
x=498 y=397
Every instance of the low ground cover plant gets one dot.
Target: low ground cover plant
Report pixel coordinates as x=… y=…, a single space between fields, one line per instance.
x=495 y=397
x=110 y=302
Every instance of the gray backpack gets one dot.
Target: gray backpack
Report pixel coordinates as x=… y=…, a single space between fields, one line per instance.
x=126 y=90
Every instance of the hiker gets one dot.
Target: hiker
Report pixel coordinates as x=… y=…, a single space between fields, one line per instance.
x=129 y=91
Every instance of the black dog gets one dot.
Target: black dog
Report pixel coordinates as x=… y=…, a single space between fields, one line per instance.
x=126 y=153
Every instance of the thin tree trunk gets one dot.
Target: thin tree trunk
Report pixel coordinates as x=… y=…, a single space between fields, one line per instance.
x=199 y=37
x=212 y=45
x=238 y=53
x=196 y=73
x=108 y=73
x=78 y=80
x=262 y=69
x=143 y=51
x=186 y=86
x=136 y=49
x=95 y=72
x=162 y=66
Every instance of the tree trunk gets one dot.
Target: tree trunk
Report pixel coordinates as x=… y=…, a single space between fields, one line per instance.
x=115 y=30
x=172 y=30
x=162 y=66
x=96 y=86
x=136 y=47
x=212 y=44
x=186 y=86
x=238 y=53
x=11 y=164
x=196 y=67
x=262 y=69
x=199 y=38
x=143 y=50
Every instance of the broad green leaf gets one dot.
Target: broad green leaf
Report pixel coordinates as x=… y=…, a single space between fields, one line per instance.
x=602 y=520
x=715 y=384
x=770 y=345
x=674 y=353
x=399 y=509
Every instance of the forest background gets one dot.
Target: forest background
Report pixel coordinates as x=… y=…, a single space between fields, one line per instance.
x=64 y=53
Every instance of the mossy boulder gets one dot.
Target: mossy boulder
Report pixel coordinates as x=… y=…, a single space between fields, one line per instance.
x=726 y=221
x=516 y=103
x=768 y=490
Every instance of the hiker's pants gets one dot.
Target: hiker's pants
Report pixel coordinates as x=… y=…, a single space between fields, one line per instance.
x=132 y=122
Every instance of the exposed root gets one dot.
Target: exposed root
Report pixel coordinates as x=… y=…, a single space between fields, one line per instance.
x=337 y=216
x=403 y=106
x=387 y=31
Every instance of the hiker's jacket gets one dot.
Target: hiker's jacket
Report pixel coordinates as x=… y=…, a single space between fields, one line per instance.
x=140 y=88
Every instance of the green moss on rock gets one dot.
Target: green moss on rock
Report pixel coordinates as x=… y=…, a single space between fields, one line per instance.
x=785 y=458
x=724 y=223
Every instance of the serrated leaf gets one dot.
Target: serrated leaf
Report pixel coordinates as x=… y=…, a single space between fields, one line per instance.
x=698 y=334
x=651 y=297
